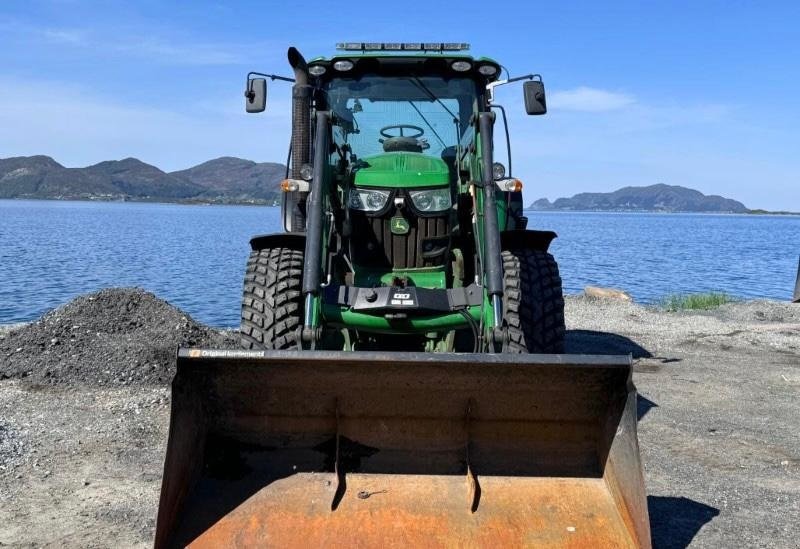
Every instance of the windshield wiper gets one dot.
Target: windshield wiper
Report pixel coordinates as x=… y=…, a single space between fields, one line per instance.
x=416 y=81
x=419 y=112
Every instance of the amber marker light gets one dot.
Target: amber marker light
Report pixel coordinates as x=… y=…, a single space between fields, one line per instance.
x=509 y=185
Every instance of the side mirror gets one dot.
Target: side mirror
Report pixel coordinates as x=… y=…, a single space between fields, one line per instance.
x=535 y=102
x=256 y=95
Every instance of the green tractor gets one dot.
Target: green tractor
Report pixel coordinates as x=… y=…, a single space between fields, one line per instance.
x=403 y=233
x=402 y=382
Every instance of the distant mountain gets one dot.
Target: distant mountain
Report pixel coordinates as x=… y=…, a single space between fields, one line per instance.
x=43 y=177
x=136 y=179
x=235 y=178
x=225 y=179
x=653 y=198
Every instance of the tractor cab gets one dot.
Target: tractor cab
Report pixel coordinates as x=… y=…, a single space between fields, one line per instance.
x=400 y=119
x=396 y=133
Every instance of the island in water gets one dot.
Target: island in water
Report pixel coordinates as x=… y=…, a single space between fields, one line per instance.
x=226 y=180
x=652 y=198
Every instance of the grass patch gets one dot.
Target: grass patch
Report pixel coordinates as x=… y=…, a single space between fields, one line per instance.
x=695 y=302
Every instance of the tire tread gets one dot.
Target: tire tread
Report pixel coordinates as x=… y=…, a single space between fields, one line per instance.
x=533 y=302
x=272 y=297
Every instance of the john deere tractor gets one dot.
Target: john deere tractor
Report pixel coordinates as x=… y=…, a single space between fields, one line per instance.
x=402 y=382
x=403 y=233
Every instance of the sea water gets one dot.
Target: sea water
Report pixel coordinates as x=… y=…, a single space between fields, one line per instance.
x=194 y=256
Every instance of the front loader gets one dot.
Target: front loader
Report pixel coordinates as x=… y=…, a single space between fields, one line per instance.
x=402 y=380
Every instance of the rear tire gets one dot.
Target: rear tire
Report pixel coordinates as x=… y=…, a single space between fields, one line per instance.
x=533 y=303
x=272 y=299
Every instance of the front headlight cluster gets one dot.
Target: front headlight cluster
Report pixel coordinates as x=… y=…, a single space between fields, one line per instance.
x=368 y=200
x=374 y=200
x=431 y=200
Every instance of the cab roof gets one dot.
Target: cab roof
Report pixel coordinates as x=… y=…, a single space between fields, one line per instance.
x=432 y=58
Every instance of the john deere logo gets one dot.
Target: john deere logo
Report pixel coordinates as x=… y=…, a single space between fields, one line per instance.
x=399 y=225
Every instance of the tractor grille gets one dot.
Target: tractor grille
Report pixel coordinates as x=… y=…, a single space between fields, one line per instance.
x=426 y=244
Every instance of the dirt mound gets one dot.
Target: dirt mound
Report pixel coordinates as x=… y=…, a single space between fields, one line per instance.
x=112 y=337
x=759 y=311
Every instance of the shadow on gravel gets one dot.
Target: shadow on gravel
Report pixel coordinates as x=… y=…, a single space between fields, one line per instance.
x=674 y=522
x=602 y=343
x=643 y=405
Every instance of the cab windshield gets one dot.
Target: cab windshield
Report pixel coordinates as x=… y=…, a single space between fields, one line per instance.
x=375 y=114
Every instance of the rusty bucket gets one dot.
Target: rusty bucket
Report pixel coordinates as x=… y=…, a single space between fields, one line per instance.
x=366 y=449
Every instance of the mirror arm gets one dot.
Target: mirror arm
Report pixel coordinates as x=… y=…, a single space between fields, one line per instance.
x=490 y=87
x=270 y=76
x=526 y=77
x=249 y=94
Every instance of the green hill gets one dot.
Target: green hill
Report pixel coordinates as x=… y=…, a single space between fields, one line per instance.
x=653 y=198
x=224 y=179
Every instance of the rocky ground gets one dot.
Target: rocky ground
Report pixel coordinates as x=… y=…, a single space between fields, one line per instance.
x=84 y=405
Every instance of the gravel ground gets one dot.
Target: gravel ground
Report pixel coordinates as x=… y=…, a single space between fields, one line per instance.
x=82 y=447
x=718 y=409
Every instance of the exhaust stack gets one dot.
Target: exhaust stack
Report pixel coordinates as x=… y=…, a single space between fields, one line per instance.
x=294 y=214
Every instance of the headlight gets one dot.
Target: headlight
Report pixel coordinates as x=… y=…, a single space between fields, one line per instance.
x=487 y=70
x=498 y=171
x=431 y=200
x=343 y=65
x=368 y=200
x=307 y=172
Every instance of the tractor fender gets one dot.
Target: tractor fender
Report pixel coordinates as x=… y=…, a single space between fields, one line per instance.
x=294 y=241
x=526 y=239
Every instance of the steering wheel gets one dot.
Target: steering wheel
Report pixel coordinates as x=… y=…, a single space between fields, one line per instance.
x=385 y=131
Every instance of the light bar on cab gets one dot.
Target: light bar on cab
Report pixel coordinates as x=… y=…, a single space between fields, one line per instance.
x=402 y=46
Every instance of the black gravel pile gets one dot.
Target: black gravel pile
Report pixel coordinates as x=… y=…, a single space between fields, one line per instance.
x=112 y=337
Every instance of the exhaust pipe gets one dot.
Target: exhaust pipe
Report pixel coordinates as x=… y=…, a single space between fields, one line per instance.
x=294 y=205
x=796 y=295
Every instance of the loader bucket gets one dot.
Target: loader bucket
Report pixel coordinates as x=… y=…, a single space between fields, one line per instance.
x=376 y=449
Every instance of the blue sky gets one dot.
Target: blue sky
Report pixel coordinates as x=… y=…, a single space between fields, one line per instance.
x=701 y=94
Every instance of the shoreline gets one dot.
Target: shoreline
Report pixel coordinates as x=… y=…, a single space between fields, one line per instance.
x=275 y=204
x=10 y=327
x=187 y=202
x=663 y=212
x=654 y=306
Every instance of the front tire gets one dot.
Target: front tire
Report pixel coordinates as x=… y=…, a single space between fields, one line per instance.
x=533 y=302
x=272 y=299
